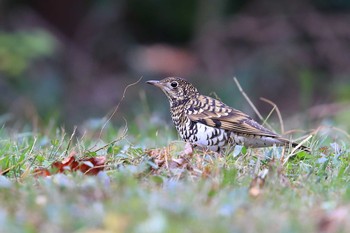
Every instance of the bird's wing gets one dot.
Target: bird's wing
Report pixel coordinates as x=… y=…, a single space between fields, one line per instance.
x=214 y=113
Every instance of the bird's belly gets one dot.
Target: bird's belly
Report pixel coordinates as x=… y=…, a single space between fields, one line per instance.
x=256 y=141
x=216 y=139
x=208 y=137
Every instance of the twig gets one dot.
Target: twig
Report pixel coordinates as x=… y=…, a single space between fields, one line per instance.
x=114 y=141
x=266 y=118
x=167 y=152
x=277 y=111
x=117 y=107
x=296 y=148
x=250 y=102
x=111 y=116
x=341 y=131
x=247 y=98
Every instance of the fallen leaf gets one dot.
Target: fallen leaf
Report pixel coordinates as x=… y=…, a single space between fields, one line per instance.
x=41 y=172
x=67 y=164
x=91 y=166
x=176 y=163
x=88 y=166
x=159 y=155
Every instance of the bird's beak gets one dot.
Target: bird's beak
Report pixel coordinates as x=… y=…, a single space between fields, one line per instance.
x=154 y=83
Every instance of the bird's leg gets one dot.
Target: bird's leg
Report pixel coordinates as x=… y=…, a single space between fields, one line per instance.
x=188 y=150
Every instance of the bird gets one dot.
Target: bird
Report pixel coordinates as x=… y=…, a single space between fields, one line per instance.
x=206 y=122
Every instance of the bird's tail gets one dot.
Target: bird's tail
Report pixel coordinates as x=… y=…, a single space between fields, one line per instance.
x=296 y=145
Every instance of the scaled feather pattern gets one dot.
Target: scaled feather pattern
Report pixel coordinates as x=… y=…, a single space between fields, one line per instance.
x=209 y=123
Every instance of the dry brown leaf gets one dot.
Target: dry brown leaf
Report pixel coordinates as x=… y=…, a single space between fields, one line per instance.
x=88 y=166
x=176 y=163
x=92 y=166
x=41 y=172
x=67 y=164
x=159 y=155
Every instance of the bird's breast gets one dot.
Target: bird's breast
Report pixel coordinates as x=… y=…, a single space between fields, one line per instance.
x=202 y=135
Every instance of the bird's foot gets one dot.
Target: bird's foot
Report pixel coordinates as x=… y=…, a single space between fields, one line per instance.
x=188 y=150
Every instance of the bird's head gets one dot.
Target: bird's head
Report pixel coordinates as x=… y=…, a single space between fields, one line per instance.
x=178 y=90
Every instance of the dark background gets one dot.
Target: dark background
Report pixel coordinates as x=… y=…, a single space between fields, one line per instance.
x=69 y=61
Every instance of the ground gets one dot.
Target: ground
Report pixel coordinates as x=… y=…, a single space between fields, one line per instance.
x=150 y=182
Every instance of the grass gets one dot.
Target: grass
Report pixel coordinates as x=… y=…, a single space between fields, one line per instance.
x=152 y=183
x=145 y=189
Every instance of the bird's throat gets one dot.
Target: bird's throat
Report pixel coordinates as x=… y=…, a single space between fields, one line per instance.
x=174 y=103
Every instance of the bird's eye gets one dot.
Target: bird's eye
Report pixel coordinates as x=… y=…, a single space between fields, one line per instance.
x=174 y=84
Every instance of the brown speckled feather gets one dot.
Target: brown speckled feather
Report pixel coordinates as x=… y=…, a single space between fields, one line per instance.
x=214 y=113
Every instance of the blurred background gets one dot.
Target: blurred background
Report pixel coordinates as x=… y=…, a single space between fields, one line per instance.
x=69 y=61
